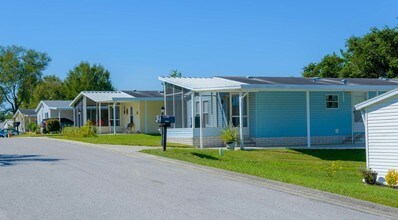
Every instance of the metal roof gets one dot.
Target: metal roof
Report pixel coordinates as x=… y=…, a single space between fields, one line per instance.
x=376 y=99
x=26 y=112
x=112 y=96
x=144 y=94
x=202 y=83
x=259 y=83
x=100 y=96
x=309 y=81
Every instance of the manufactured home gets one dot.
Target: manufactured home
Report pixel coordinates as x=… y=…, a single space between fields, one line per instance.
x=269 y=111
x=54 y=109
x=380 y=116
x=118 y=111
x=24 y=117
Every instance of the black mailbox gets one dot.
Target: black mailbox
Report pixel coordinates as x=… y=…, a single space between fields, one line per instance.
x=166 y=119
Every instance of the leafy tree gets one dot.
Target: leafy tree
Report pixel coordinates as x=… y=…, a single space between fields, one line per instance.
x=50 y=88
x=372 y=56
x=20 y=70
x=175 y=74
x=85 y=77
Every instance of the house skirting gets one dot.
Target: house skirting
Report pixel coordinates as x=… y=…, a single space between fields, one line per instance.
x=298 y=141
x=215 y=141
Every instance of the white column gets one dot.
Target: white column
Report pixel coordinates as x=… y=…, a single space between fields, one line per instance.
x=242 y=142
x=84 y=110
x=201 y=120
x=146 y=117
x=109 y=118
x=114 y=117
x=193 y=109
x=74 y=116
x=308 y=120
x=59 y=116
x=100 y=118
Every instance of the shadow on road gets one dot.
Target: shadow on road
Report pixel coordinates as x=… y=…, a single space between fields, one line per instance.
x=14 y=159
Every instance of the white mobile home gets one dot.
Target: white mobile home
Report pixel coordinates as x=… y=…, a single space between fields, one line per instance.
x=24 y=117
x=380 y=116
x=54 y=109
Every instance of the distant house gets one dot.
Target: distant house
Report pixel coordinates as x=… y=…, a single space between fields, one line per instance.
x=380 y=115
x=270 y=111
x=24 y=117
x=54 y=109
x=7 y=123
x=118 y=111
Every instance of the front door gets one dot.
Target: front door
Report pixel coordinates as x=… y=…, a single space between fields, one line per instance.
x=358 y=125
x=234 y=113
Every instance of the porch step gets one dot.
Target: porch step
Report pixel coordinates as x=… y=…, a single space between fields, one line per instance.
x=358 y=138
x=249 y=142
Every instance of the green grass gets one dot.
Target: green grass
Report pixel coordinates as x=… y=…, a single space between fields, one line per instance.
x=300 y=167
x=123 y=139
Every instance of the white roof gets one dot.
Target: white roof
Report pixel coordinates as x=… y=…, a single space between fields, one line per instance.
x=202 y=83
x=376 y=99
x=102 y=96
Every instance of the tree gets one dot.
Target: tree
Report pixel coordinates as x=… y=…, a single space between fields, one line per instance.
x=175 y=74
x=330 y=66
x=20 y=70
x=50 y=88
x=372 y=56
x=85 y=77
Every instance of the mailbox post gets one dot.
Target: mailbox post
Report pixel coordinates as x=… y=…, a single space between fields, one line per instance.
x=165 y=121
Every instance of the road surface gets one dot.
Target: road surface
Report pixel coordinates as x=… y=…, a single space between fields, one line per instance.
x=52 y=179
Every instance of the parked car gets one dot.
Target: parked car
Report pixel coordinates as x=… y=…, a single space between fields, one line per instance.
x=64 y=122
x=4 y=132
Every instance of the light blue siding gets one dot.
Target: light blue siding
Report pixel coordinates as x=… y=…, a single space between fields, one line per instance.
x=324 y=121
x=278 y=114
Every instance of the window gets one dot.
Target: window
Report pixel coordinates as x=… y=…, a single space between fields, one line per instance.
x=206 y=113
x=117 y=110
x=332 y=101
x=132 y=115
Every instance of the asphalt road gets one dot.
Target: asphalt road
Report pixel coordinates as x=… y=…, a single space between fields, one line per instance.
x=51 y=179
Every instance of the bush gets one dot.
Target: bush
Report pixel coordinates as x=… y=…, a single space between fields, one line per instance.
x=88 y=130
x=230 y=134
x=33 y=127
x=369 y=175
x=331 y=169
x=392 y=178
x=53 y=125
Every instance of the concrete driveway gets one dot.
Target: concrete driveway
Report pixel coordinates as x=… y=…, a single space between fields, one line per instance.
x=52 y=179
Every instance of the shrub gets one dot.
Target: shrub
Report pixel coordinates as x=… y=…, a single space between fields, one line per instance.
x=88 y=130
x=33 y=127
x=369 y=175
x=392 y=178
x=230 y=134
x=53 y=125
x=331 y=169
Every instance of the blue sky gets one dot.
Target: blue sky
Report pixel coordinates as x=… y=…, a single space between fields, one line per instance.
x=141 y=40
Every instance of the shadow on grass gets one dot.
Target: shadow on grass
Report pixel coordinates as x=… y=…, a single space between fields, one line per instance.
x=358 y=155
x=14 y=159
x=204 y=156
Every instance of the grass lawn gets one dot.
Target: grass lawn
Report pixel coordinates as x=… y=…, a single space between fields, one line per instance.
x=301 y=167
x=123 y=139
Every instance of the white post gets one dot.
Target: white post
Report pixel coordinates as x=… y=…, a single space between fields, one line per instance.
x=100 y=118
x=200 y=120
x=242 y=142
x=114 y=117
x=59 y=116
x=74 y=117
x=146 y=117
x=84 y=110
x=109 y=118
x=193 y=109
x=308 y=120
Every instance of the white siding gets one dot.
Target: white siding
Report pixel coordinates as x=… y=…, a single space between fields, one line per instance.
x=382 y=136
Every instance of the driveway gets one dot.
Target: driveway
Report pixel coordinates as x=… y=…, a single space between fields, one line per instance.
x=52 y=179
